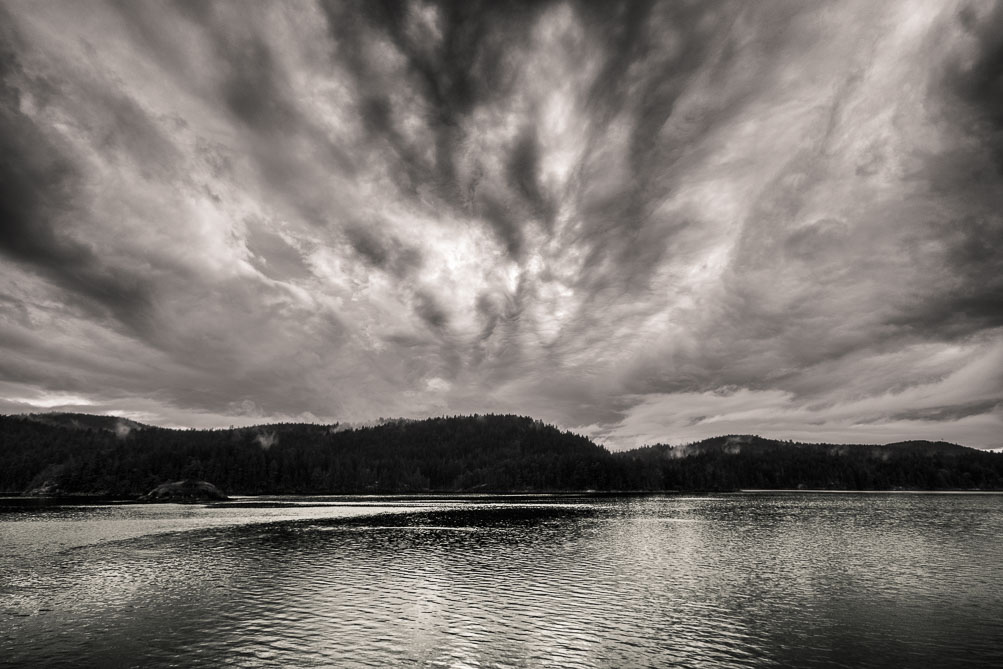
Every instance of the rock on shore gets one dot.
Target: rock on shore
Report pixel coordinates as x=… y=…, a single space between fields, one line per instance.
x=47 y=488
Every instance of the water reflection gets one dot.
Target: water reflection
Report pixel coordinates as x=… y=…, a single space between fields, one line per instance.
x=739 y=581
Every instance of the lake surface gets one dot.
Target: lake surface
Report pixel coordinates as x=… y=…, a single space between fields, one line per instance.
x=743 y=580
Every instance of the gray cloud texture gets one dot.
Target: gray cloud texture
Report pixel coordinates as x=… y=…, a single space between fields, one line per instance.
x=648 y=221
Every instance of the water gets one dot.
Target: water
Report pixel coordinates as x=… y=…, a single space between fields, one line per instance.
x=746 y=580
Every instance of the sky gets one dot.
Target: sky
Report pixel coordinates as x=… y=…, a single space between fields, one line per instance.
x=647 y=222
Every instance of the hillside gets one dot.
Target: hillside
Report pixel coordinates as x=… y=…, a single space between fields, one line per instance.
x=464 y=453
x=746 y=461
x=97 y=454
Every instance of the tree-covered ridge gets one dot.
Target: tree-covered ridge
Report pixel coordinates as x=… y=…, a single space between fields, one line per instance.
x=469 y=453
x=752 y=462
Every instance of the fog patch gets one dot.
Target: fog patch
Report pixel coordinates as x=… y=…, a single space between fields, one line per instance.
x=266 y=439
x=733 y=445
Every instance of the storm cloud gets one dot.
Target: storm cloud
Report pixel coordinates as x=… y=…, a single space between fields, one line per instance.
x=647 y=221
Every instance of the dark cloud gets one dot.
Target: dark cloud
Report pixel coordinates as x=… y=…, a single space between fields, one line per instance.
x=383 y=252
x=455 y=61
x=969 y=297
x=503 y=222
x=467 y=66
x=39 y=193
x=430 y=311
x=950 y=413
x=524 y=177
x=251 y=90
x=979 y=80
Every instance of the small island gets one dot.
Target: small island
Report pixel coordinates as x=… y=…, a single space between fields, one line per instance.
x=187 y=491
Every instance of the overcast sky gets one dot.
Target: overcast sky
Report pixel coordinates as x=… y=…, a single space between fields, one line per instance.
x=647 y=222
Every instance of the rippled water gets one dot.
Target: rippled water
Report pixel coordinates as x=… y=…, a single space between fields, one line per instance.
x=744 y=580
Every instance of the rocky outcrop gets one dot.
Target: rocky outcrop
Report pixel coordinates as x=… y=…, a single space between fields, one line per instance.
x=48 y=488
x=186 y=491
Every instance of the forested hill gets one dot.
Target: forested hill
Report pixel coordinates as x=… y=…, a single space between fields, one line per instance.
x=449 y=454
x=751 y=462
x=76 y=453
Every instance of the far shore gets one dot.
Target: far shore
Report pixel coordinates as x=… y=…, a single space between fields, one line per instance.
x=18 y=500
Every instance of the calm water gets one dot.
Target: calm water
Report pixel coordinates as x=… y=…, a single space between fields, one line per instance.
x=745 y=580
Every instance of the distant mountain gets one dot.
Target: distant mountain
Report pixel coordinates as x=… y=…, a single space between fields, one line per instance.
x=78 y=453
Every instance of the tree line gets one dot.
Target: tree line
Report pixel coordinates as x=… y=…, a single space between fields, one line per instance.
x=488 y=453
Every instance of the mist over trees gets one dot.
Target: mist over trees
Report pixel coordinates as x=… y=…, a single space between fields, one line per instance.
x=75 y=453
